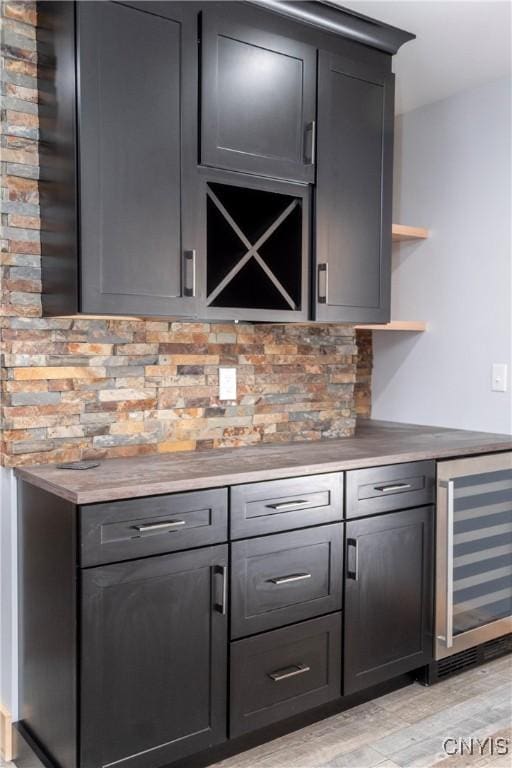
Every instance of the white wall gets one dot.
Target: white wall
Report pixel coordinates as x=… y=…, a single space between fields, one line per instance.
x=8 y=593
x=453 y=171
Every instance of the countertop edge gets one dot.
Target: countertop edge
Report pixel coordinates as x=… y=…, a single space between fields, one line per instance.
x=112 y=493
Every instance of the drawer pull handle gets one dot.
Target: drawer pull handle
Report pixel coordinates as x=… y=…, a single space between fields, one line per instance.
x=288 y=504
x=395 y=487
x=284 y=674
x=150 y=527
x=289 y=579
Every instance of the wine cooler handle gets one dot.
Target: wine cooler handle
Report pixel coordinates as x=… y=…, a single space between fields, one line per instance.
x=449 y=565
x=447 y=638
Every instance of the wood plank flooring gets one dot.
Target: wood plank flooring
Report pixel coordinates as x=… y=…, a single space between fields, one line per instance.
x=404 y=729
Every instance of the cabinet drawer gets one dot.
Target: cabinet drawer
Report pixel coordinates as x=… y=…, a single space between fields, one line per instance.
x=383 y=489
x=121 y=530
x=281 y=505
x=281 y=579
x=284 y=672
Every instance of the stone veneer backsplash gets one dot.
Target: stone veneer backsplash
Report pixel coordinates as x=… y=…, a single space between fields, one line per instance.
x=86 y=387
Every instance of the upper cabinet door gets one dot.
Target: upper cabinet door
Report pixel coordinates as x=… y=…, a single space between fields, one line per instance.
x=354 y=191
x=258 y=99
x=137 y=75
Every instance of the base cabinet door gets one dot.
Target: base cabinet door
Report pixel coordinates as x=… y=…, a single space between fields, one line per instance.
x=388 y=597
x=354 y=188
x=153 y=663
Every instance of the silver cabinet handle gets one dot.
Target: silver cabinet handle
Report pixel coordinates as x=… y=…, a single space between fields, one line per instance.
x=284 y=674
x=311 y=130
x=167 y=526
x=290 y=578
x=287 y=504
x=221 y=607
x=355 y=573
x=448 y=636
x=396 y=487
x=189 y=288
x=323 y=283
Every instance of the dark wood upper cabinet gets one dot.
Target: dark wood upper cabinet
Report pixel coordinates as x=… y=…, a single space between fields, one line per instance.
x=354 y=191
x=216 y=160
x=258 y=92
x=136 y=99
x=388 y=596
x=154 y=655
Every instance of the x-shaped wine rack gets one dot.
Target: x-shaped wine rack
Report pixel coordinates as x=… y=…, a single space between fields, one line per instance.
x=252 y=250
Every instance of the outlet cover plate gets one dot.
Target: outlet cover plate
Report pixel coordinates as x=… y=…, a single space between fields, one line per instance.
x=227 y=383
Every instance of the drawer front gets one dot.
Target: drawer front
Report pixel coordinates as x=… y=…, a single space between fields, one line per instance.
x=383 y=489
x=121 y=530
x=284 y=672
x=281 y=505
x=284 y=578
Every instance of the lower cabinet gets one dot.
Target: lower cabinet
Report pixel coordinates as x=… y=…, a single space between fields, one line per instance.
x=284 y=672
x=124 y=631
x=154 y=655
x=388 y=596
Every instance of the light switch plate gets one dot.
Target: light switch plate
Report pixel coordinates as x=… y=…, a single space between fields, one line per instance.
x=227 y=383
x=499 y=377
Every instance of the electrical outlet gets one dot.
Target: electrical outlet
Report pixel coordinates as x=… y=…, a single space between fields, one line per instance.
x=499 y=377
x=227 y=383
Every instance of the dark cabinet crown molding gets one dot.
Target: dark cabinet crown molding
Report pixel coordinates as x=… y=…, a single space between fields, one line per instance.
x=341 y=21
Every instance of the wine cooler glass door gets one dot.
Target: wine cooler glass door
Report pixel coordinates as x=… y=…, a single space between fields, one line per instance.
x=474 y=538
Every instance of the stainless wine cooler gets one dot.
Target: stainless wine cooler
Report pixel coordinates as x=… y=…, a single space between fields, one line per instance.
x=474 y=552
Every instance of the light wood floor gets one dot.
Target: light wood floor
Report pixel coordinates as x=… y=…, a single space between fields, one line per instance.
x=404 y=729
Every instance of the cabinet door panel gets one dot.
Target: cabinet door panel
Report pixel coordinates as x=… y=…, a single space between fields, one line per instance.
x=135 y=73
x=154 y=647
x=354 y=184
x=388 y=597
x=258 y=99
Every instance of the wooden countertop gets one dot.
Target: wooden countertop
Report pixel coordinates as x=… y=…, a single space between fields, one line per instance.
x=375 y=443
